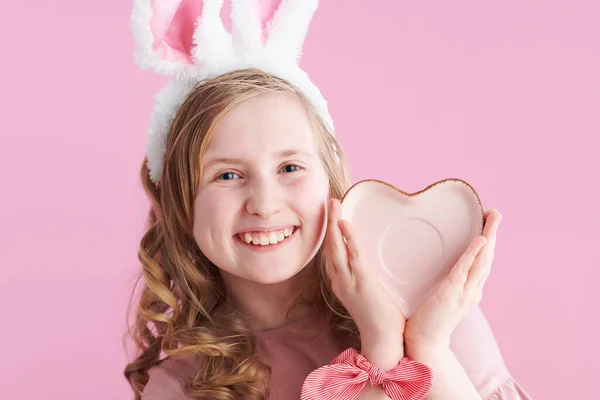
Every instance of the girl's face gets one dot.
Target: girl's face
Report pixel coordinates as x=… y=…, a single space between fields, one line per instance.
x=260 y=211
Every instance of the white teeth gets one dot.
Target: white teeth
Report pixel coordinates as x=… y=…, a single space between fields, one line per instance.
x=273 y=238
x=264 y=240
x=267 y=238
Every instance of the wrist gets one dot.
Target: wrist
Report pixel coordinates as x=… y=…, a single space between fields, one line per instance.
x=384 y=351
x=414 y=340
x=423 y=350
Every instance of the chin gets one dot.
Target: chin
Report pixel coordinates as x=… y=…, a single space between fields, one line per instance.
x=270 y=277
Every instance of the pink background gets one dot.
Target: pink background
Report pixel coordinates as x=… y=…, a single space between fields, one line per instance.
x=505 y=95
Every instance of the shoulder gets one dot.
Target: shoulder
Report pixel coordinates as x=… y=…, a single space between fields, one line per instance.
x=169 y=380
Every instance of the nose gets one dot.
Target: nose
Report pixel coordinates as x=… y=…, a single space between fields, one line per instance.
x=264 y=199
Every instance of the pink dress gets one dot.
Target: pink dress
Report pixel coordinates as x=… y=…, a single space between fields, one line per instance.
x=297 y=349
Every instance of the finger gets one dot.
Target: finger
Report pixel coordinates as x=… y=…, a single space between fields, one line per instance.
x=328 y=245
x=330 y=268
x=487 y=213
x=483 y=263
x=483 y=279
x=335 y=242
x=492 y=221
x=495 y=218
x=460 y=271
x=482 y=266
x=355 y=258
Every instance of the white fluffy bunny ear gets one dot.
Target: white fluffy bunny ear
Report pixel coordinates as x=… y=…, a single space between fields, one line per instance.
x=278 y=26
x=288 y=27
x=186 y=40
x=166 y=35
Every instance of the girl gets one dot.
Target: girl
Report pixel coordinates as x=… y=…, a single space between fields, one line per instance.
x=253 y=284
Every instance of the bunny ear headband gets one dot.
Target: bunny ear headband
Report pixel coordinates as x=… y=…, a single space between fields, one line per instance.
x=186 y=40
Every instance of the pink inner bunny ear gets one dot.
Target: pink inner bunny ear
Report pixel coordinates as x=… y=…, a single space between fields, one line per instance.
x=266 y=10
x=172 y=25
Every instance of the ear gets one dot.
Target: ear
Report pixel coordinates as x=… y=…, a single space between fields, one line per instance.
x=280 y=25
x=249 y=21
x=287 y=28
x=164 y=32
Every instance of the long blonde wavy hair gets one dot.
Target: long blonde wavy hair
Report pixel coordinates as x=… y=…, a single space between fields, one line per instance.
x=182 y=288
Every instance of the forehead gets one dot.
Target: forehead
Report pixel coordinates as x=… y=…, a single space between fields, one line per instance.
x=262 y=126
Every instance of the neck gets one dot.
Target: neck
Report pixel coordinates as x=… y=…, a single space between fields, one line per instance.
x=267 y=305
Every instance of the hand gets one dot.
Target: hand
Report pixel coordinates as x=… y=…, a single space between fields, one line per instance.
x=376 y=315
x=433 y=324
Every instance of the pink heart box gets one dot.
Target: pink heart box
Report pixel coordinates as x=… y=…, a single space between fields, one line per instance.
x=412 y=240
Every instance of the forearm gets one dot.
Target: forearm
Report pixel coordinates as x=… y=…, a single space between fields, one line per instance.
x=450 y=381
x=385 y=354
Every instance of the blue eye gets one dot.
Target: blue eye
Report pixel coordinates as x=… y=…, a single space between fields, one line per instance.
x=227 y=176
x=291 y=168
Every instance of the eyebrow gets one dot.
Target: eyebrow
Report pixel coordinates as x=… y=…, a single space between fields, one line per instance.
x=279 y=154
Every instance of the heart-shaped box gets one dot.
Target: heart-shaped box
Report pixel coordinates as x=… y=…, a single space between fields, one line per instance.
x=412 y=240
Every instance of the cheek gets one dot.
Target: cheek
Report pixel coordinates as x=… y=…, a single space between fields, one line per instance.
x=310 y=194
x=210 y=214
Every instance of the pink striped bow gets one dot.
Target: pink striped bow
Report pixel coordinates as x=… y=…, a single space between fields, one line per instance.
x=349 y=372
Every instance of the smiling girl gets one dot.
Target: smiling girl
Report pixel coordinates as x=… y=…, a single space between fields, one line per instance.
x=254 y=288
